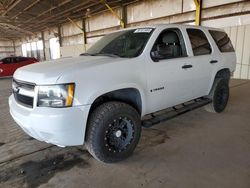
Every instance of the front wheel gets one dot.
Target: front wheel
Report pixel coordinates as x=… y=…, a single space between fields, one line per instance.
x=113 y=132
x=219 y=95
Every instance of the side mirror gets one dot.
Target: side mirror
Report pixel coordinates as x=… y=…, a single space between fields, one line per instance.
x=163 y=52
x=155 y=55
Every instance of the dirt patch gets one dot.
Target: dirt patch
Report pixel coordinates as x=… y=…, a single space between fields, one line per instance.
x=1 y=143
x=152 y=137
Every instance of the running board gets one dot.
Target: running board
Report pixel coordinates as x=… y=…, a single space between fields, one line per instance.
x=175 y=111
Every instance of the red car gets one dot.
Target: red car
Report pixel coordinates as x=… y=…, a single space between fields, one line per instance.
x=8 y=65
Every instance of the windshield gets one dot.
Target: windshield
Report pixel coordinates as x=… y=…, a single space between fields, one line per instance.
x=128 y=43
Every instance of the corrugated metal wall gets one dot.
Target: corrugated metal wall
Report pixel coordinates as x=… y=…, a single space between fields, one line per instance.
x=240 y=36
x=6 y=48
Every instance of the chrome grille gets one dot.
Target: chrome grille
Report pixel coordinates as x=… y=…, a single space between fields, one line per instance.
x=24 y=93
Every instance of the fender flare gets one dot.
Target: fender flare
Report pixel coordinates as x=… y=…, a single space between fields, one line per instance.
x=103 y=91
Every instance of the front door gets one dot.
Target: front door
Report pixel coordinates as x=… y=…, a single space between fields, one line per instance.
x=169 y=72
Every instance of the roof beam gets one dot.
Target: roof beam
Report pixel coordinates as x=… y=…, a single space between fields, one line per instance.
x=65 y=13
x=50 y=9
x=74 y=16
x=53 y=15
x=15 y=28
x=114 y=13
x=11 y=7
x=27 y=8
x=95 y=7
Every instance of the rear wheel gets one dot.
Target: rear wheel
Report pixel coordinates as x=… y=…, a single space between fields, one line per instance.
x=219 y=95
x=113 y=132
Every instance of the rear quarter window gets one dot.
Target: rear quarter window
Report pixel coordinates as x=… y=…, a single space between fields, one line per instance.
x=222 y=41
x=199 y=42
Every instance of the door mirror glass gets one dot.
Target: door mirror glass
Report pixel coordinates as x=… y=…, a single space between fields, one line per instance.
x=165 y=50
x=155 y=56
x=162 y=52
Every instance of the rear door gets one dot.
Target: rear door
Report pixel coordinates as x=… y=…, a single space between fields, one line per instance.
x=204 y=60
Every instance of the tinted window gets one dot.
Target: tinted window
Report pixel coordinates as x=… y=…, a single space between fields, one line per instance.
x=169 y=44
x=222 y=40
x=127 y=43
x=199 y=42
x=20 y=59
x=7 y=60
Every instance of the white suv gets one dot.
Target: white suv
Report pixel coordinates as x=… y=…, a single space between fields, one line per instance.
x=100 y=98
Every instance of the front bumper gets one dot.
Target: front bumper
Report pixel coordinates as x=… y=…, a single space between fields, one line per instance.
x=58 y=126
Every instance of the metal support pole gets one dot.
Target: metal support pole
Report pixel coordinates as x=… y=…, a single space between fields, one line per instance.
x=76 y=24
x=83 y=29
x=59 y=35
x=44 y=53
x=198 y=4
x=124 y=15
x=84 y=33
x=14 y=47
x=114 y=13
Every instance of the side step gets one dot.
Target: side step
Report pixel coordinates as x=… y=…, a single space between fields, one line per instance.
x=175 y=111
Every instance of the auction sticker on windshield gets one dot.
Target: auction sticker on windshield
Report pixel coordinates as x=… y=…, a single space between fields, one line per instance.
x=144 y=30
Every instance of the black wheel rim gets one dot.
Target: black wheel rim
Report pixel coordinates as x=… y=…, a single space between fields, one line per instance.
x=119 y=134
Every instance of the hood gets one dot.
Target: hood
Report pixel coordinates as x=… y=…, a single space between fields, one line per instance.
x=49 y=72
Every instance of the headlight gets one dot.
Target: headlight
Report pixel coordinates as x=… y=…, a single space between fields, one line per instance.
x=56 y=95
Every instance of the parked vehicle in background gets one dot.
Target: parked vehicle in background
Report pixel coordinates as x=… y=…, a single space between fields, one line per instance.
x=8 y=65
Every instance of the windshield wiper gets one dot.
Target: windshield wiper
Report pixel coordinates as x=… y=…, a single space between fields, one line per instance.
x=106 y=54
x=101 y=54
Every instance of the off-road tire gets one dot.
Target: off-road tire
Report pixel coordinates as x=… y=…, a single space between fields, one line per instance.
x=103 y=120
x=219 y=96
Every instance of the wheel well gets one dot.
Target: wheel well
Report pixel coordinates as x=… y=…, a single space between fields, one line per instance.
x=130 y=96
x=224 y=74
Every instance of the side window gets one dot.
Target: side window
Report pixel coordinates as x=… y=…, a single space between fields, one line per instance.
x=199 y=42
x=222 y=40
x=169 y=44
x=7 y=60
x=12 y=60
x=20 y=59
x=17 y=59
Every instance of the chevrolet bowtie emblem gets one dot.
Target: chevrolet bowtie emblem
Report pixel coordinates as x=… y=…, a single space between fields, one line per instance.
x=16 y=89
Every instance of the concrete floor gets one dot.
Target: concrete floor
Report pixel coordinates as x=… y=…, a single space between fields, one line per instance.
x=196 y=150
